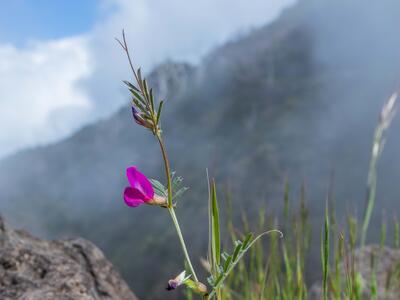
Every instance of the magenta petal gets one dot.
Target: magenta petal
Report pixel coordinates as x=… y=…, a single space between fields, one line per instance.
x=133 y=197
x=139 y=181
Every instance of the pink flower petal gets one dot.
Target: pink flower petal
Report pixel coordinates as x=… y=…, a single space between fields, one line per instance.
x=133 y=197
x=139 y=181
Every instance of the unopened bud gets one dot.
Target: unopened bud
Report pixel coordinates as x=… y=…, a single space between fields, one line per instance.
x=197 y=287
x=139 y=119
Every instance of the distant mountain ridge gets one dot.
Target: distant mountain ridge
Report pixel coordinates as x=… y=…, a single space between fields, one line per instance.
x=283 y=101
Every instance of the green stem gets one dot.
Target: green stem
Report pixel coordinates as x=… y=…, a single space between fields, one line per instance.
x=372 y=181
x=167 y=169
x=171 y=207
x=179 y=232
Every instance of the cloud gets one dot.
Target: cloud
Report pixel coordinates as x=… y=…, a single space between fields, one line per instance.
x=38 y=83
x=51 y=88
x=184 y=30
x=160 y=30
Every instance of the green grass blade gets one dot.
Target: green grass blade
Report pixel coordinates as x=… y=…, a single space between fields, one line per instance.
x=286 y=200
x=396 y=233
x=210 y=257
x=216 y=238
x=243 y=251
x=325 y=254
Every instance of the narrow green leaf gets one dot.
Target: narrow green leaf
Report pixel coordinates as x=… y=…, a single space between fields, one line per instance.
x=236 y=251
x=146 y=94
x=215 y=225
x=227 y=263
x=286 y=200
x=325 y=254
x=289 y=272
x=158 y=187
x=373 y=280
x=139 y=73
x=131 y=86
x=139 y=106
x=139 y=97
x=247 y=240
x=180 y=192
x=219 y=279
x=209 y=256
x=160 y=106
x=224 y=255
x=151 y=98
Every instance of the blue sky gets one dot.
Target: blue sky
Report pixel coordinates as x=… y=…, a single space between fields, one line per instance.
x=23 y=20
x=61 y=68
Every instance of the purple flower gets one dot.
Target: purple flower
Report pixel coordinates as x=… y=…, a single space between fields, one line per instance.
x=195 y=286
x=140 y=190
x=177 y=281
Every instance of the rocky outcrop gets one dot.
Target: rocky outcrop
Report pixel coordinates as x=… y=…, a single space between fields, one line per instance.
x=386 y=268
x=70 y=269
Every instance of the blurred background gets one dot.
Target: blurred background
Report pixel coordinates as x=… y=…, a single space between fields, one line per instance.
x=258 y=91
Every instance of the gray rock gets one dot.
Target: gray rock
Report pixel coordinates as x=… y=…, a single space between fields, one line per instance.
x=35 y=269
x=386 y=263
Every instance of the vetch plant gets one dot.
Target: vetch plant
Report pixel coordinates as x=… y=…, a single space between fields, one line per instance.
x=147 y=113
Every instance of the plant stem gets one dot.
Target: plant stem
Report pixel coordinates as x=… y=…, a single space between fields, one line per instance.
x=167 y=169
x=179 y=232
x=385 y=119
x=171 y=207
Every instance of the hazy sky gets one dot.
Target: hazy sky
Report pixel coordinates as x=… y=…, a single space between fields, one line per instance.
x=61 y=68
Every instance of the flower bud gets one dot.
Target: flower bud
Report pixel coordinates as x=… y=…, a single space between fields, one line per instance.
x=139 y=119
x=197 y=287
x=177 y=281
